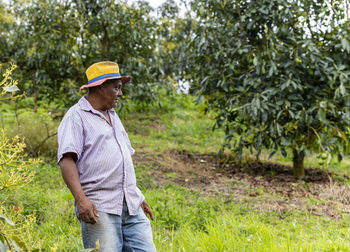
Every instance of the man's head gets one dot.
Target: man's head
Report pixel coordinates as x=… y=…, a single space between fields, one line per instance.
x=100 y=72
x=108 y=93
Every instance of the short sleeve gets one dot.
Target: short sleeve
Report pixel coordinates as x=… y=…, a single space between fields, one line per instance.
x=70 y=136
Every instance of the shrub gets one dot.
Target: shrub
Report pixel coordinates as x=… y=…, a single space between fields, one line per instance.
x=39 y=132
x=19 y=232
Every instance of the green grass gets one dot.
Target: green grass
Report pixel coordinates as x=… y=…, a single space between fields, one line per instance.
x=231 y=231
x=178 y=125
x=186 y=220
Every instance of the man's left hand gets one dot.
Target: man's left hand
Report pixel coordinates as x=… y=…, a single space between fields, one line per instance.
x=147 y=210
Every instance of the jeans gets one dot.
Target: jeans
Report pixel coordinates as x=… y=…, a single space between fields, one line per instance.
x=119 y=233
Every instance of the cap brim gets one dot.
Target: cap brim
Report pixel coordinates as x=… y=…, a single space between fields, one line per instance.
x=125 y=79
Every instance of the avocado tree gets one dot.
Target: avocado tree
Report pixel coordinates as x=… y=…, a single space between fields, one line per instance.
x=53 y=42
x=125 y=33
x=276 y=73
x=172 y=29
x=6 y=19
x=42 y=42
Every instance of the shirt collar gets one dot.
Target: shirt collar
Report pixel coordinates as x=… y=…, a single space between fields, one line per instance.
x=85 y=105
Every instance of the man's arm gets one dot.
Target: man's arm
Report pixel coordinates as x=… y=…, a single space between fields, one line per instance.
x=86 y=209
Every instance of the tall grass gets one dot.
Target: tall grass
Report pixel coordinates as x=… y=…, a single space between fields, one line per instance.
x=229 y=232
x=187 y=222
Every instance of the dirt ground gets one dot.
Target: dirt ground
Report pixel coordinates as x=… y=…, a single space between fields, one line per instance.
x=264 y=186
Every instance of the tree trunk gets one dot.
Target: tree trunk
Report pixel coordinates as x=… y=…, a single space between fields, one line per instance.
x=35 y=93
x=105 y=43
x=298 y=163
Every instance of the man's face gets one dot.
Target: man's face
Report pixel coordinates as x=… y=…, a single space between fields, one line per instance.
x=111 y=92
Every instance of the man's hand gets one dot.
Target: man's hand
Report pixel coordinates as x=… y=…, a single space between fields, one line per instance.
x=87 y=210
x=147 y=210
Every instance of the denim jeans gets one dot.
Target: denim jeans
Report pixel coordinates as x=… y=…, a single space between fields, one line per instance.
x=119 y=233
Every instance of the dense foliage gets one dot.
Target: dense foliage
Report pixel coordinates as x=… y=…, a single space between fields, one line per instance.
x=55 y=41
x=275 y=72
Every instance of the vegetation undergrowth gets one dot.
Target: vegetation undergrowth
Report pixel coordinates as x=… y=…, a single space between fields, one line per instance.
x=185 y=219
x=179 y=123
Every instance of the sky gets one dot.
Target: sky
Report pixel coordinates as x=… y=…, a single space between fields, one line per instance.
x=156 y=3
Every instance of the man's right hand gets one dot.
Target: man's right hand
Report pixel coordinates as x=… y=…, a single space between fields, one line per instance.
x=87 y=210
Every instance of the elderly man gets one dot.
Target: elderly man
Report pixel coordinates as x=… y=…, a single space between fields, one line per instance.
x=94 y=153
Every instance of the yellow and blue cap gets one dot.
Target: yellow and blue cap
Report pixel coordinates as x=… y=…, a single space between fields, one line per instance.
x=102 y=71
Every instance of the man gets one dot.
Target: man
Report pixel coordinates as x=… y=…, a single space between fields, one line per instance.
x=94 y=153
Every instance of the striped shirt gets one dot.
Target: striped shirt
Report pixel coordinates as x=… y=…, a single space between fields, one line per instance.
x=104 y=163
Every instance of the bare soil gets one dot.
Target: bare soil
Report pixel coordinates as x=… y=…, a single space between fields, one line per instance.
x=265 y=186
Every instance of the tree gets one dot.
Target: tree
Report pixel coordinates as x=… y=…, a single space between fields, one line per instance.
x=55 y=41
x=275 y=72
x=115 y=30
x=43 y=43
x=170 y=33
x=6 y=21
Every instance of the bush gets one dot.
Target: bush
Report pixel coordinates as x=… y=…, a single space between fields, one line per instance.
x=39 y=131
x=16 y=229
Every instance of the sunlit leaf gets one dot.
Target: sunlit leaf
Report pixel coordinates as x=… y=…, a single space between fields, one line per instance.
x=12 y=88
x=8 y=221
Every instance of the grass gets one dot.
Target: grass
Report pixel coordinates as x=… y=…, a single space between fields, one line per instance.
x=178 y=125
x=233 y=231
x=188 y=219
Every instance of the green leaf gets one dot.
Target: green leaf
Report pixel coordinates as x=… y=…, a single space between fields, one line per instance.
x=14 y=246
x=18 y=242
x=285 y=141
x=329 y=158
x=271 y=154
x=279 y=129
x=340 y=157
x=3 y=246
x=321 y=115
x=283 y=152
x=199 y=99
x=345 y=44
x=342 y=90
x=4 y=218
x=12 y=88
x=255 y=61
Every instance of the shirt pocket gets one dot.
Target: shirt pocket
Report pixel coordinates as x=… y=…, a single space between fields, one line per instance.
x=126 y=138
